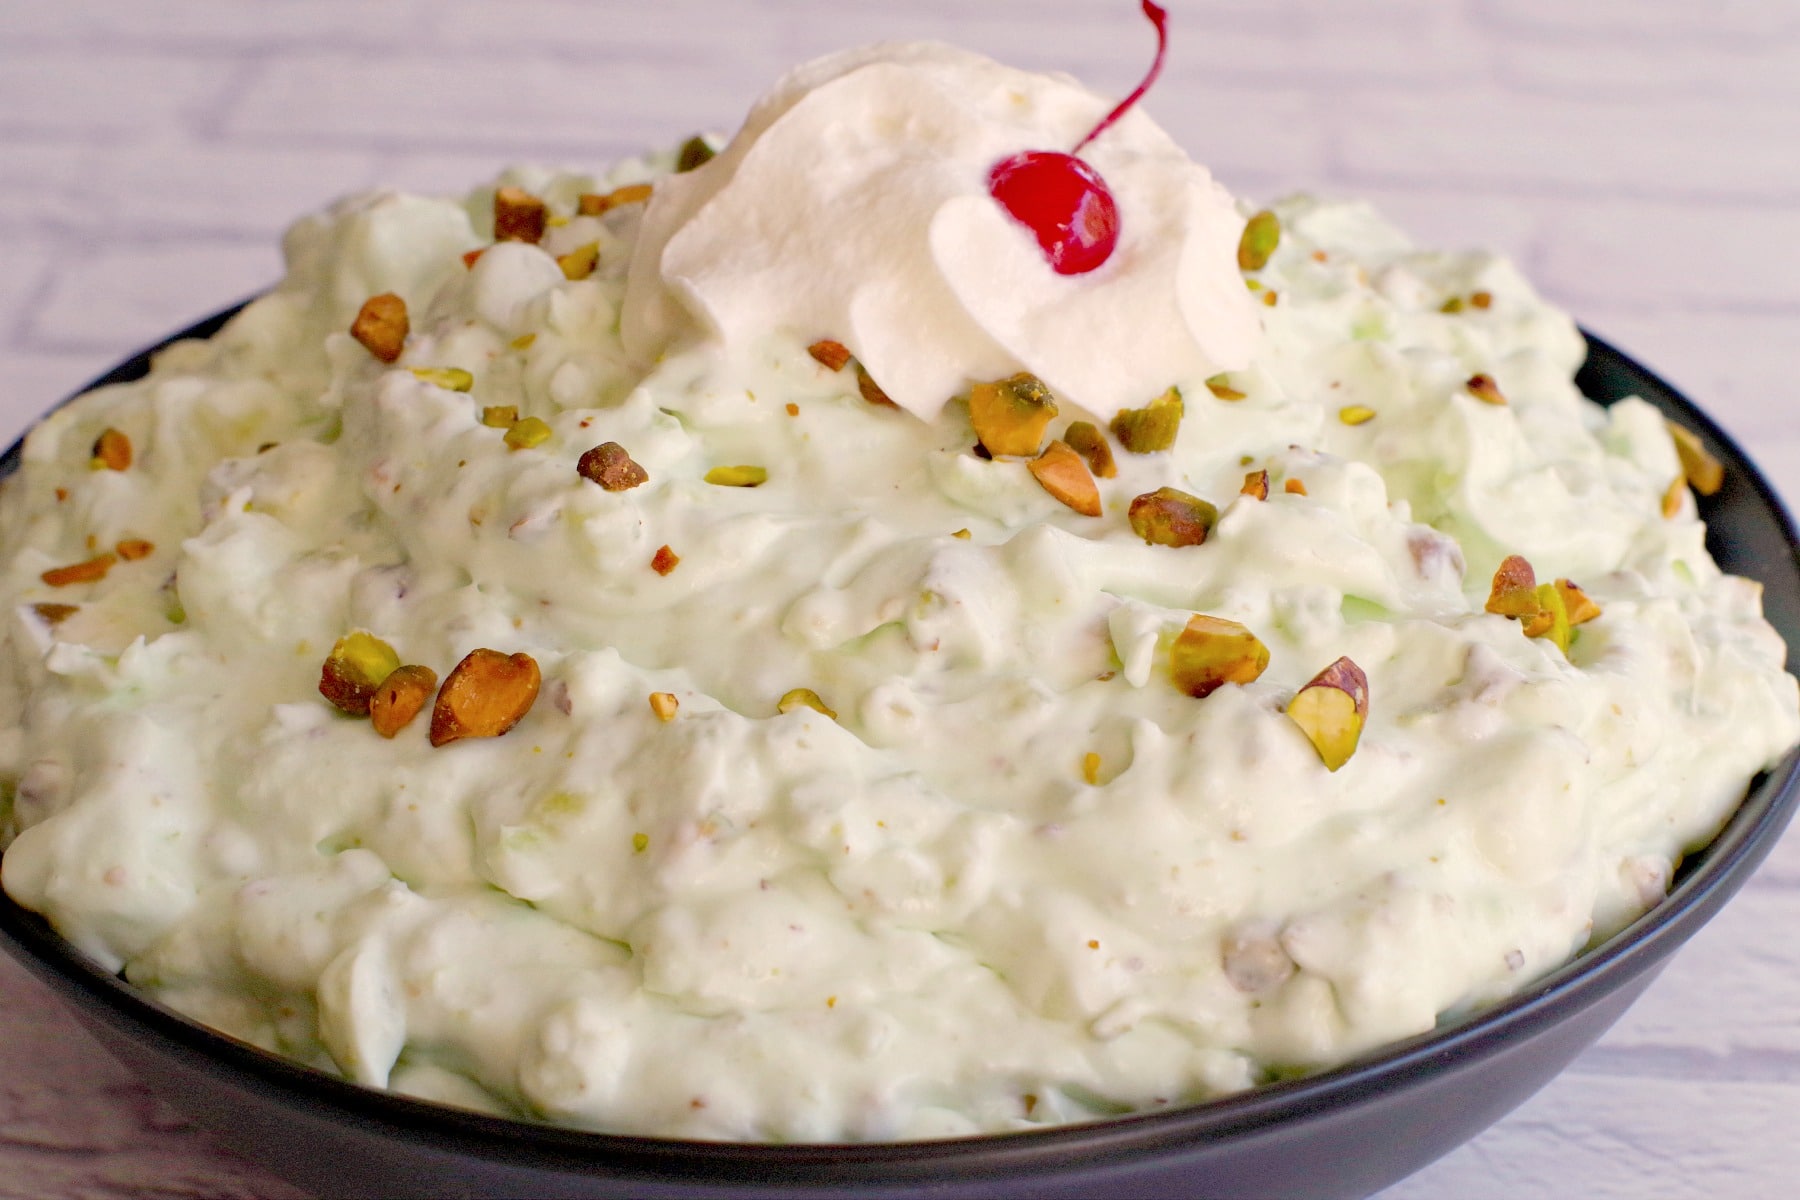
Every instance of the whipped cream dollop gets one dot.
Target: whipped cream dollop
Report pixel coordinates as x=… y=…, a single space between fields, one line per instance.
x=853 y=205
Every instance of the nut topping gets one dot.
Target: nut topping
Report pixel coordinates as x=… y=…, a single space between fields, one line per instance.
x=590 y=205
x=527 y=432
x=112 y=450
x=1484 y=389
x=401 y=697
x=1212 y=652
x=91 y=571
x=453 y=379
x=358 y=664
x=832 y=355
x=519 y=216
x=486 y=694
x=580 y=262
x=1513 y=592
x=1262 y=233
x=870 y=390
x=1549 y=610
x=1220 y=386
x=664 y=560
x=1085 y=438
x=1011 y=415
x=381 y=326
x=1704 y=473
x=803 y=698
x=739 y=476
x=611 y=467
x=1331 y=710
x=1061 y=472
x=1171 y=517
x=695 y=152
x=53 y=614
x=1151 y=428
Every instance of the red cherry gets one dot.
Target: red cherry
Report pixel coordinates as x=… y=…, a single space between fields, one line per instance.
x=1063 y=200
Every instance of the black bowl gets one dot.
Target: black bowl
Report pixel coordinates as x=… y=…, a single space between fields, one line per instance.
x=1343 y=1133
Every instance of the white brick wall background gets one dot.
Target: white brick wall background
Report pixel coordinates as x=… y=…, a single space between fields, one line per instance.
x=1640 y=159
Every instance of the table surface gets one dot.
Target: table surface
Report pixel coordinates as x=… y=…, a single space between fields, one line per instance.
x=1636 y=158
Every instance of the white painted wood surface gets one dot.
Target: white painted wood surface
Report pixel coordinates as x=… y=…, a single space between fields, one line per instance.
x=1640 y=158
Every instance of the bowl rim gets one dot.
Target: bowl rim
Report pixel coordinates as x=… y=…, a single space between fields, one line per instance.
x=1704 y=881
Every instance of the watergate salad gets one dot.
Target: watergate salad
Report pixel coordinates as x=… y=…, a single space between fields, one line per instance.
x=770 y=642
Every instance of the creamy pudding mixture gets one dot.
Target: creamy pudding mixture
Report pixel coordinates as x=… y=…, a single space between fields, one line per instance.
x=853 y=758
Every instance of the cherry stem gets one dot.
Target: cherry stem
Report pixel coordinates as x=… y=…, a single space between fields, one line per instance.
x=1159 y=17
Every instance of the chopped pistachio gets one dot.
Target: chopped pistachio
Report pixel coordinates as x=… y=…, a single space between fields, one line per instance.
x=1271 y=298
x=1085 y=438
x=580 y=262
x=964 y=534
x=1671 y=500
x=500 y=416
x=1552 y=617
x=1482 y=299
x=663 y=704
x=519 y=216
x=1212 y=652
x=1356 y=414
x=1011 y=415
x=402 y=696
x=1171 y=517
x=610 y=466
x=1256 y=485
x=91 y=571
x=1262 y=233
x=527 y=432
x=1060 y=471
x=453 y=379
x=1090 y=768
x=523 y=341
x=1704 y=473
x=132 y=549
x=1484 y=389
x=695 y=152
x=485 y=695
x=381 y=326
x=1294 y=487
x=1578 y=604
x=1331 y=711
x=803 y=698
x=793 y=410
x=739 y=476
x=664 y=560
x=1453 y=305
x=871 y=391
x=640 y=842
x=53 y=614
x=590 y=205
x=112 y=450
x=1220 y=386
x=356 y=666
x=832 y=355
x=1513 y=592
x=1151 y=428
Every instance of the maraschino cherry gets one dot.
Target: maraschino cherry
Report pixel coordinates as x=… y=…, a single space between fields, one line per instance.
x=1063 y=200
